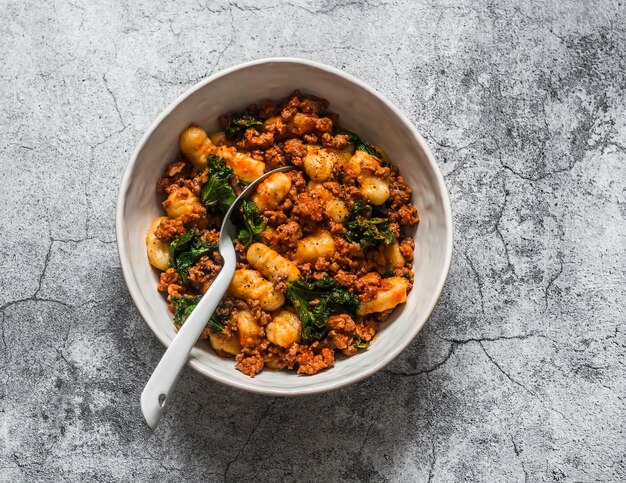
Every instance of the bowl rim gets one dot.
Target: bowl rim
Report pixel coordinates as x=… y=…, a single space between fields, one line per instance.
x=134 y=290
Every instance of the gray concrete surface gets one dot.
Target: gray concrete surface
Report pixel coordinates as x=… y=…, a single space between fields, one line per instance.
x=520 y=373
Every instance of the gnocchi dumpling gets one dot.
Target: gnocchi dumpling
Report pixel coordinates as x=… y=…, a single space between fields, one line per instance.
x=302 y=123
x=248 y=328
x=181 y=202
x=319 y=163
x=245 y=167
x=225 y=344
x=394 y=256
x=195 y=145
x=272 y=191
x=374 y=188
x=271 y=264
x=392 y=293
x=285 y=329
x=334 y=208
x=249 y=284
x=158 y=250
x=319 y=245
x=217 y=137
x=344 y=155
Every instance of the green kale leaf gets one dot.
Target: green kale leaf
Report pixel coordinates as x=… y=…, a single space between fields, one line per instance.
x=366 y=230
x=217 y=192
x=360 y=344
x=239 y=123
x=251 y=222
x=361 y=145
x=186 y=250
x=216 y=323
x=183 y=306
x=316 y=301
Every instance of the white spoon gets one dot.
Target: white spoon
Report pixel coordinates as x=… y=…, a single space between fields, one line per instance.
x=158 y=389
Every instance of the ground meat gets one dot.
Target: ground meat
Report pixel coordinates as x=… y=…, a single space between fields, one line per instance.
x=295 y=151
x=169 y=228
x=309 y=207
x=268 y=109
x=368 y=286
x=324 y=125
x=342 y=322
x=175 y=168
x=211 y=236
x=407 y=246
x=348 y=255
x=250 y=365
x=400 y=209
x=275 y=218
x=311 y=105
x=342 y=330
x=310 y=138
x=275 y=157
x=286 y=235
x=309 y=363
x=202 y=274
x=406 y=215
x=277 y=127
x=173 y=175
x=170 y=278
x=326 y=265
x=340 y=141
x=349 y=351
x=197 y=219
x=345 y=279
x=366 y=329
x=298 y=183
x=263 y=318
x=339 y=340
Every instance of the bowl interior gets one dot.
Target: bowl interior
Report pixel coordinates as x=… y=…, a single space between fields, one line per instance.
x=360 y=110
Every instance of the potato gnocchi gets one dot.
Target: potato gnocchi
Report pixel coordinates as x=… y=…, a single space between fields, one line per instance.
x=323 y=254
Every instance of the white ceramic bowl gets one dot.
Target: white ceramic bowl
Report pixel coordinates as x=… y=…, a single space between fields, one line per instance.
x=362 y=110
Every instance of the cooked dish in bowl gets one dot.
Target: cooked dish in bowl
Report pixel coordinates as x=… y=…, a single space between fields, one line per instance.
x=323 y=257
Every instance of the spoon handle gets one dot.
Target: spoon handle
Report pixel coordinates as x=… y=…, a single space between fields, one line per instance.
x=158 y=389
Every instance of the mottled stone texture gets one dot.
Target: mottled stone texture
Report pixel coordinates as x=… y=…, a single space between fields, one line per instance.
x=519 y=375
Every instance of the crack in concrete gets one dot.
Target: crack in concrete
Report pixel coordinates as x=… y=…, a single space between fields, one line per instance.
x=4 y=341
x=48 y=300
x=517 y=383
x=433 y=368
x=114 y=97
x=509 y=265
x=454 y=343
x=433 y=461
x=93 y=148
x=517 y=453
x=549 y=285
x=335 y=6
x=72 y=367
x=478 y=282
x=232 y=31
x=506 y=374
x=5 y=352
x=245 y=444
x=45 y=267
x=493 y=339
x=35 y=296
x=367 y=433
x=87 y=238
